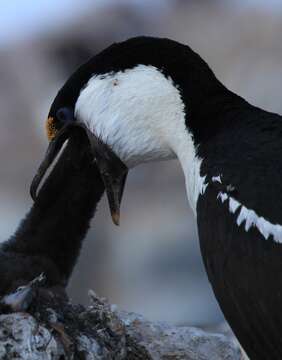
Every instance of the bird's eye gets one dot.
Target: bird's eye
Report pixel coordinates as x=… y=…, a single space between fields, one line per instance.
x=65 y=115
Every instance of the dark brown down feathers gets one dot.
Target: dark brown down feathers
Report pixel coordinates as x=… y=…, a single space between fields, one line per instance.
x=49 y=239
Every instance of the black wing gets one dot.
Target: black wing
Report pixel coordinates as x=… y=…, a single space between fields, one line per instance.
x=244 y=262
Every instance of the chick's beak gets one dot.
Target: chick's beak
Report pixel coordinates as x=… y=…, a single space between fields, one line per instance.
x=113 y=171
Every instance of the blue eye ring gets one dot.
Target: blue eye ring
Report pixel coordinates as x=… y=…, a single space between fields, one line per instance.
x=65 y=115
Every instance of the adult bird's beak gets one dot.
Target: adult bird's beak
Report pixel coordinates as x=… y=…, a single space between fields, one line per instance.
x=113 y=171
x=53 y=150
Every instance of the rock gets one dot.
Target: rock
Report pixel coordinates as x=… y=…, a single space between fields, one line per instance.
x=22 y=338
x=64 y=331
x=164 y=341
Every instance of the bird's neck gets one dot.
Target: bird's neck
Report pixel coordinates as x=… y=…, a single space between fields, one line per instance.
x=186 y=152
x=58 y=221
x=207 y=103
x=208 y=108
x=200 y=125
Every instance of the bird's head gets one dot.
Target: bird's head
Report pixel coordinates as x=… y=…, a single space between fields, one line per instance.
x=61 y=124
x=132 y=103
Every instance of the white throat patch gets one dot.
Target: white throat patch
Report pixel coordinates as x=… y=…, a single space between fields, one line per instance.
x=133 y=111
x=140 y=114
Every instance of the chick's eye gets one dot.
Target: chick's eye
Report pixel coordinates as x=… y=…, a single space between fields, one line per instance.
x=65 y=115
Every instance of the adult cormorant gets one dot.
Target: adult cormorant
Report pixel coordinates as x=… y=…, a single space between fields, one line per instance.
x=152 y=99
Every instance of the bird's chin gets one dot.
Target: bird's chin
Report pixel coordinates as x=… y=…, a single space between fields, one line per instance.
x=112 y=169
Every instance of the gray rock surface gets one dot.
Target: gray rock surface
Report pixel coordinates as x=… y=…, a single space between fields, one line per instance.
x=22 y=338
x=101 y=332
x=164 y=341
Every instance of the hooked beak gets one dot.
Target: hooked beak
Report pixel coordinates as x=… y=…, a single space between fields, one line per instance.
x=113 y=171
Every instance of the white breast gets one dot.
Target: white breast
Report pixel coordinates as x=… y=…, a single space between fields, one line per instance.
x=133 y=111
x=140 y=114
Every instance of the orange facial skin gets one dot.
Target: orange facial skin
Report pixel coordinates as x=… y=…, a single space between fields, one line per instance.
x=51 y=129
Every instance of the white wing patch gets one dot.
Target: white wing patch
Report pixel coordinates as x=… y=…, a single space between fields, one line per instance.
x=233 y=205
x=216 y=178
x=250 y=217
x=222 y=196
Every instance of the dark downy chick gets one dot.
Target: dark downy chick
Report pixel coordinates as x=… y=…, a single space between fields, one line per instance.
x=48 y=240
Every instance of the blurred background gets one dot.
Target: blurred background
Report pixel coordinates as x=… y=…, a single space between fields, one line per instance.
x=151 y=264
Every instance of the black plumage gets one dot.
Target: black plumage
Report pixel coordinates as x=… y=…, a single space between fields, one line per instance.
x=241 y=145
x=49 y=239
x=243 y=267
